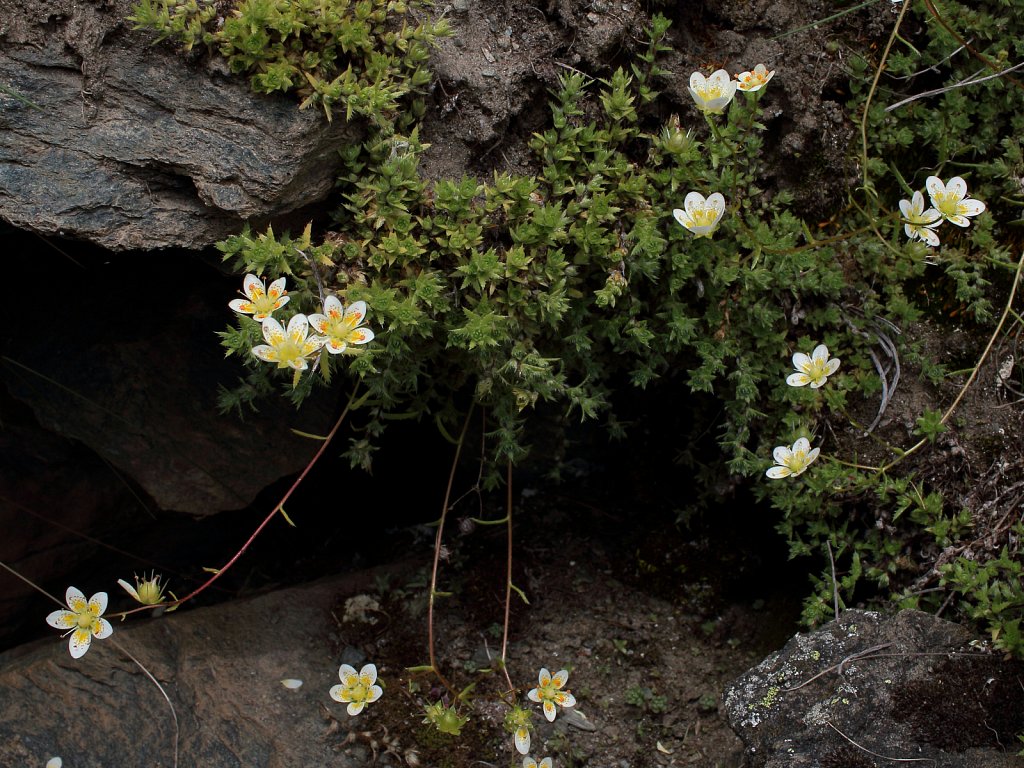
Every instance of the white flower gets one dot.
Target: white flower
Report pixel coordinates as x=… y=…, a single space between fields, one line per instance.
x=340 y=325
x=792 y=461
x=814 y=369
x=713 y=93
x=262 y=301
x=357 y=690
x=756 y=80
x=83 y=621
x=918 y=223
x=548 y=692
x=701 y=216
x=529 y=762
x=291 y=348
x=952 y=201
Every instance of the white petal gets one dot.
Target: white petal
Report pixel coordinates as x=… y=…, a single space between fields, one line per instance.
x=549 y=710
x=79 y=643
x=719 y=78
x=368 y=674
x=356 y=309
x=543 y=677
x=265 y=353
x=347 y=673
x=545 y=763
x=798 y=379
x=716 y=201
x=292 y=684
x=355 y=708
x=529 y=762
x=98 y=603
x=532 y=694
x=253 y=286
x=54 y=762
x=567 y=700
x=682 y=217
x=693 y=201
x=361 y=336
x=276 y=287
x=560 y=678
x=971 y=207
x=375 y=693
x=522 y=740
x=929 y=236
x=801 y=361
x=129 y=589
x=319 y=322
x=833 y=365
x=62 y=619
x=813 y=455
x=935 y=186
x=335 y=693
x=960 y=221
x=103 y=629
x=75 y=599
x=781 y=454
x=697 y=81
x=272 y=331
x=820 y=352
x=802 y=445
x=956 y=187
x=298 y=327
x=776 y=473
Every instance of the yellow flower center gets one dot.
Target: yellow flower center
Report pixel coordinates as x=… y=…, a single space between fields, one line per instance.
x=796 y=461
x=85 y=620
x=264 y=304
x=358 y=691
x=704 y=217
x=948 y=204
x=289 y=351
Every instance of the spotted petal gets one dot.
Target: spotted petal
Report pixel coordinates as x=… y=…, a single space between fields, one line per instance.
x=355 y=707
x=348 y=675
x=522 y=739
x=549 y=710
x=79 y=643
x=781 y=454
x=565 y=699
x=76 y=600
x=533 y=694
x=62 y=619
x=544 y=677
x=798 y=379
x=101 y=629
x=560 y=678
x=368 y=675
x=776 y=473
x=98 y=603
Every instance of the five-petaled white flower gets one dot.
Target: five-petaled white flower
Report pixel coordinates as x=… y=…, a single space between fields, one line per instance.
x=262 y=301
x=792 y=461
x=340 y=325
x=83 y=621
x=712 y=93
x=756 y=80
x=548 y=692
x=701 y=216
x=291 y=348
x=813 y=369
x=951 y=200
x=920 y=223
x=529 y=762
x=357 y=690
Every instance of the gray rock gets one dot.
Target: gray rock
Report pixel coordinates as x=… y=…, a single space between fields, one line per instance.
x=130 y=146
x=869 y=689
x=220 y=666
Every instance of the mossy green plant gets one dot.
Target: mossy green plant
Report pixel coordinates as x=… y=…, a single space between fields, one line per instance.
x=361 y=57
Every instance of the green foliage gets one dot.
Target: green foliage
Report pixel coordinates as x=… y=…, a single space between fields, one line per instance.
x=645 y=698
x=360 y=56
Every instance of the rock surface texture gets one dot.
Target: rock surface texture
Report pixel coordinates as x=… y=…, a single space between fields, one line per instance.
x=869 y=690
x=130 y=146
